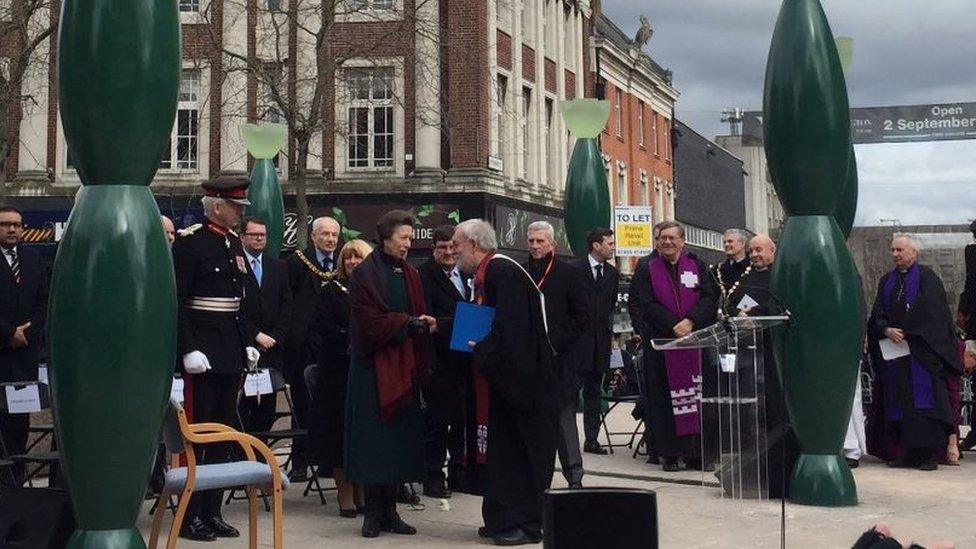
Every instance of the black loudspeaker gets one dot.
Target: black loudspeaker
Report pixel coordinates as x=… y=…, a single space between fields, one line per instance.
x=607 y=518
x=35 y=518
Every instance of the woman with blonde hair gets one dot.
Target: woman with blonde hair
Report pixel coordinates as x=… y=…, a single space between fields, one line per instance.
x=331 y=327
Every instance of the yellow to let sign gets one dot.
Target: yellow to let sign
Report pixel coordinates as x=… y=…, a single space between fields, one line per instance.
x=632 y=228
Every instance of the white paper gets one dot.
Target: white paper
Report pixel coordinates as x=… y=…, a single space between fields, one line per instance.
x=176 y=390
x=258 y=384
x=42 y=373
x=689 y=279
x=891 y=350
x=23 y=400
x=746 y=303
x=616 y=359
x=727 y=362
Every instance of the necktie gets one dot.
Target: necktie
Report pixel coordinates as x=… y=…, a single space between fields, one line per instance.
x=599 y=272
x=327 y=263
x=15 y=265
x=258 y=272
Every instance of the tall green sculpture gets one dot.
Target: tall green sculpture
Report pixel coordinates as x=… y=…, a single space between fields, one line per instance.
x=264 y=141
x=808 y=145
x=112 y=327
x=587 y=203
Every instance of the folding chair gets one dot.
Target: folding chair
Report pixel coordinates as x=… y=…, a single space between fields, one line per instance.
x=181 y=438
x=35 y=462
x=613 y=402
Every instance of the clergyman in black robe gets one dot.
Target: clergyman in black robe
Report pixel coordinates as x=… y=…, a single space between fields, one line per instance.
x=911 y=306
x=516 y=361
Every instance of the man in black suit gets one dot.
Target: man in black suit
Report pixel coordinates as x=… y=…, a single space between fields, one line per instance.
x=444 y=286
x=308 y=271
x=567 y=318
x=23 y=308
x=593 y=349
x=267 y=307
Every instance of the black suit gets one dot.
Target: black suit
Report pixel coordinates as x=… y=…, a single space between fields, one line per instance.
x=300 y=348
x=449 y=377
x=594 y=346
x=22 y=300
x=267 y=308
x=567 y=317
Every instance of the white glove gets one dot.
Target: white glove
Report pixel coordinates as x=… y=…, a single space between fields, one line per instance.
x=195 y=362
x=253 y=356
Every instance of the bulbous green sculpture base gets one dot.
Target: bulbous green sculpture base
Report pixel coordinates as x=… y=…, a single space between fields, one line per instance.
x=824 y=481
x=587 y=196
x=267 y=203
x=106 y=539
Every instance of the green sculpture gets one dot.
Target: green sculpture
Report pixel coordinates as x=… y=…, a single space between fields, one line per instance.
x=808 y=145
x=264 y=141
x=112 y=328
x=587 y=203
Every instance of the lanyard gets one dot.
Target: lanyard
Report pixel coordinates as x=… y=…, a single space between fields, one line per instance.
x=542 y=281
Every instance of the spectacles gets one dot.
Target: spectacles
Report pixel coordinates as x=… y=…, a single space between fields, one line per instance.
x=11 y=224
x=256 y=235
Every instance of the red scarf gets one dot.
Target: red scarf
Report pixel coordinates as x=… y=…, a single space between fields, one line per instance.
x=398 y=365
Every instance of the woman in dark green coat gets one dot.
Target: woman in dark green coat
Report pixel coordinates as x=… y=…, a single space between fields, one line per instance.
x=389 y=332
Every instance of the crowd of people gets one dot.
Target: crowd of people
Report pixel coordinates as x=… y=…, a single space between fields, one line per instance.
x=364 y=340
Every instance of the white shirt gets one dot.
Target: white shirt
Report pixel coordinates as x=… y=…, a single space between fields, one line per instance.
x=7 y=255
x=454 y=275
x=593 y=264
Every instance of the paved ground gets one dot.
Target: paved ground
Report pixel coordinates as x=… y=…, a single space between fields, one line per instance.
x=916 y=505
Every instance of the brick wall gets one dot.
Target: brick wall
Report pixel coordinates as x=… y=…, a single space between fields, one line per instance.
x=570 y=77
x=503 y=44
x=550 y=75
x=467 y=82
x=528 y=63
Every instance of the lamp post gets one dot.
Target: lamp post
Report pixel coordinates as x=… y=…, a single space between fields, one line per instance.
x=587 y=204
x=264 y=141
x=112 y=316
x=809 y=151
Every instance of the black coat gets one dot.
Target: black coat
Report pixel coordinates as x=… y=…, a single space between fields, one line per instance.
x=329 y=337
x=267 y=308
x=594 y=345
x=19 y=304
x=211 y=265
x=967 y=300
x=726 y=274
x=450 y=370
x=305 y=286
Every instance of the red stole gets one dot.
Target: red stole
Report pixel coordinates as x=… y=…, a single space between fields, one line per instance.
x=482 y=391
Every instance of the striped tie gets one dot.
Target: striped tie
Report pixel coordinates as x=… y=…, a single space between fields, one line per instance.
x=14 y=264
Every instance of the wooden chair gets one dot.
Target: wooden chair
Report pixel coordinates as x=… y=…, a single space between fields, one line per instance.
x=180 y=437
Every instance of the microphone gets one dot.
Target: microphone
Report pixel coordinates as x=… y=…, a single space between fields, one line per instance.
x=783 y=309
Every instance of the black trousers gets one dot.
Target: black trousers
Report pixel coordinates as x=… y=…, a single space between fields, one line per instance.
x=499 y=518
x=214 y=400
x=443 y=436
x=14 y=429
x=591 y=382
x=257 y=416
x=380 y=500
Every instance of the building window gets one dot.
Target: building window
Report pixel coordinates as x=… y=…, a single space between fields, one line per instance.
x=274 y=5
x=372 y=4
x=268 y=110
x=552 y=168
x=189 y=5
x=657 y=144
x=667 y=140
x=640 y=123
x=501 y=96
x=371 y=128
x=619 y=113
x=181 y=152
x=702 y=238
x=621 y=181
x=526 y=140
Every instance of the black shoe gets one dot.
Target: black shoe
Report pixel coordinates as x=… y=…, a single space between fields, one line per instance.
x=371 y=526
x=484 y=532
x=396 y=525
x=197 y=530
x=534 y=532
x=928 y=465
x=298 y=474
x=853 y=463
x=593 y=447
x=575 y=484
x=347 y=513
x=223 y=530
x=969 y=442
x=670 y=465
x=653 y=459
x=514 y=536
x=436 y=489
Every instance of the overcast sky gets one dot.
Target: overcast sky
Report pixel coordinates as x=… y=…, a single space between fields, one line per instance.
x=906 y=52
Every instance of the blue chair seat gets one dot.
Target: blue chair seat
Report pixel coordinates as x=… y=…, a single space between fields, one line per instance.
x=223 y=475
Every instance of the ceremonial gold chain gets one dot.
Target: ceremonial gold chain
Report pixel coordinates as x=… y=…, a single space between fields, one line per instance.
x=325 y=276
x=721 y=283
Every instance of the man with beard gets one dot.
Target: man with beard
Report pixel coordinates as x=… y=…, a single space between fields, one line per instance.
x=567 y=315
x=308 y=271
x=911 y=306
x=731 y=272
x=514 y=363
x=445 y=286
x=671 y=295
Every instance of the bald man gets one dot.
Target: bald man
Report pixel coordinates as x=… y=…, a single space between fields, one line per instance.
x=308 y=271
x=911 y=306
x=169 y=229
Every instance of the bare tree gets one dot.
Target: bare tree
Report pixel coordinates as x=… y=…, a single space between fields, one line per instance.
x=292 y=60
x=25 y=26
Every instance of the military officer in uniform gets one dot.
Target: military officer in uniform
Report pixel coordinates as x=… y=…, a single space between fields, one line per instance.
x=213 y=333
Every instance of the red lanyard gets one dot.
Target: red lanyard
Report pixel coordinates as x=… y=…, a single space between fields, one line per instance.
x=542 y=280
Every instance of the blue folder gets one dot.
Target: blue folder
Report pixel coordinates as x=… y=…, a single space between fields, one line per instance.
x=471 y=323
